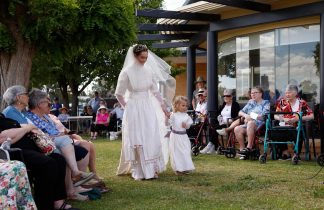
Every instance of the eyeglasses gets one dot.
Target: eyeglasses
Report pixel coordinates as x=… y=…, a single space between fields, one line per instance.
x=226 y=95
x=48 y=103
x=200 y=95
x=254 y=93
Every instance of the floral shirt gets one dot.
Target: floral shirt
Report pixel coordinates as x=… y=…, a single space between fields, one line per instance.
x=15 y=192
x=47 y=126
x=285 y=106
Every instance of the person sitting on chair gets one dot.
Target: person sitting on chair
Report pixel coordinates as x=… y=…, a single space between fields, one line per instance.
x=252 y=113
x=200 y=84
x=291 y=103
x=102 y=121
x=226 y=114
x=201 y=110
x=64 y=116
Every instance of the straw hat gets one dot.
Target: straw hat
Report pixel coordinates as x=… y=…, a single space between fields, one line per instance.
x=66 y=109
x=102 y=107
x=200 y=79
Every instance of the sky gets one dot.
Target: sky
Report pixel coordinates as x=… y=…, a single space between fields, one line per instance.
x=172 y=4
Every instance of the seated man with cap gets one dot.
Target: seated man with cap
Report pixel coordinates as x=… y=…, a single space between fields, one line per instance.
x=201 y=110
x=200 y=84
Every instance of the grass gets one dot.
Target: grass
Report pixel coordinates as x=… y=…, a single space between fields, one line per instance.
x=217 y=183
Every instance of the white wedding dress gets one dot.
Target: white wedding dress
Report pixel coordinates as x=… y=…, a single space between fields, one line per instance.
x=179 y=145
x=141 y=143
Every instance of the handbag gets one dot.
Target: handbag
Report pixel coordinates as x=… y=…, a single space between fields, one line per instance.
x=44 y=142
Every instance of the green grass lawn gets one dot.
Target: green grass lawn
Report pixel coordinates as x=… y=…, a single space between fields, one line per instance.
x=217 y=183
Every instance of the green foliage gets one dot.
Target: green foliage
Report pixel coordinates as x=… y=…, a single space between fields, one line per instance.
x=6 y=42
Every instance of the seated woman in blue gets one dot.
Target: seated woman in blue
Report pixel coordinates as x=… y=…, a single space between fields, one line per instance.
x=17 y=99
x=252 y=113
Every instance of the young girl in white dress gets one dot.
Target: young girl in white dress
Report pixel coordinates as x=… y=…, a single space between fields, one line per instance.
x=179 y=145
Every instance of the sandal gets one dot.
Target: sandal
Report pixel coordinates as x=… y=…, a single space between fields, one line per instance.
x=64 y=207
x=78 y=197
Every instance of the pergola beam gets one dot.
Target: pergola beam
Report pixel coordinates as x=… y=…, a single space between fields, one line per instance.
x=268 y=17
x=167 y=27
x=143 y=37
x=170 y=45
x=157 y=13
x=243 y=4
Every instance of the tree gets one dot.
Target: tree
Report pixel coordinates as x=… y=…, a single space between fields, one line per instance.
x=25 y=27
x=104 y=30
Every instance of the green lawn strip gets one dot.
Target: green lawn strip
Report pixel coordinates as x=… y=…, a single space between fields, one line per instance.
x=217 y=183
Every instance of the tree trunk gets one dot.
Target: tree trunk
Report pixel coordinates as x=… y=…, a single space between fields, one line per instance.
x=64 y=91
x=15 y=67
x=75 y=93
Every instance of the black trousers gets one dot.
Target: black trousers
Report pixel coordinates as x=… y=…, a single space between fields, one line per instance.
x=48 y=177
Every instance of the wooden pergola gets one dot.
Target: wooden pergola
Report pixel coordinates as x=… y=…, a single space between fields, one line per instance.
x=191 y=29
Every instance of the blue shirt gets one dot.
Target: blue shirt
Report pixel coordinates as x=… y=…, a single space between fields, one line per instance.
x=13 y=113
x=47 y=126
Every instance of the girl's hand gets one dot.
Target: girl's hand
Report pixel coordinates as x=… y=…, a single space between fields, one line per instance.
x=184 y=125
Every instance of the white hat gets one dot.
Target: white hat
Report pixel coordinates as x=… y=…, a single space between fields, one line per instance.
x=102 y=107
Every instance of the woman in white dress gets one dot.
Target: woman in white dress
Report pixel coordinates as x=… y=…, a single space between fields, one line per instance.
x=136 y=88
x=179 y=145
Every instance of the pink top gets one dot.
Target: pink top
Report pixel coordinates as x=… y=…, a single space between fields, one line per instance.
x=102 y=118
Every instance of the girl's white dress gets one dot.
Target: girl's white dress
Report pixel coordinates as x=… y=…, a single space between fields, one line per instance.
x=179 y=145
x=141 y=143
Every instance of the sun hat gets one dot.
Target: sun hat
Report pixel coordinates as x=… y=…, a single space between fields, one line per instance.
x=200 y=79
x=102 y=107
x=66 y=109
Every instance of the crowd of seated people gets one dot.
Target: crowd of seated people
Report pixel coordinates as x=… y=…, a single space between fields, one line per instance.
x=59 y=175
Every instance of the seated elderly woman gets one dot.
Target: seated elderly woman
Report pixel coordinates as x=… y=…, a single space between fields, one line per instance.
x=253 y=115
x=291 y=103
x=15 y=189
x=226 y=114
x=47 y=171
x=17 y=99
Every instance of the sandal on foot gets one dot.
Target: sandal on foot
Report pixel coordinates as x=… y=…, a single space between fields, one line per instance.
x=78 y=197
x=65 y=205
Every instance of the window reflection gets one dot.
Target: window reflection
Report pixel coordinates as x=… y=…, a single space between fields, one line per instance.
x=271 y=60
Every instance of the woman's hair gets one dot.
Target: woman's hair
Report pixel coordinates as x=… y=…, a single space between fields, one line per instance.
x=139 y=48
x=177 y=101
x=291 y=87
x=35 y=96
x=10 y=96
x=258 y=88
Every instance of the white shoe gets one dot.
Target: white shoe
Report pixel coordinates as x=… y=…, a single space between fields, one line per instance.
x=206 y=149
x=211 y=150
x=221 y=132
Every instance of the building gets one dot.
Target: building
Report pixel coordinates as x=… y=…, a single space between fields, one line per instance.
x=267 y=43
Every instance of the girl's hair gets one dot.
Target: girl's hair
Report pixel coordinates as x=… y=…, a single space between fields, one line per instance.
x=176 y=102
x=139 y=48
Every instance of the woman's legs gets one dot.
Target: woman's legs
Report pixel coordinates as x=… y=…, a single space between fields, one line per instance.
x=239 y=134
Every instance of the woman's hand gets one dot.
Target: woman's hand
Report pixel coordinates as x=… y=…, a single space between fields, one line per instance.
x=184 y=125
x=290 y=121
x=29 y=128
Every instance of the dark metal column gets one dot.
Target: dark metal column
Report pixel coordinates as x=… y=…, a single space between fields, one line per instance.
x=191 y=71
x=212 y=75
x=321 y=108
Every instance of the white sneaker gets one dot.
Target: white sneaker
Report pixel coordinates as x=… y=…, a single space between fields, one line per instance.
x=221 y=132
x=206 y=149
x=211 y=150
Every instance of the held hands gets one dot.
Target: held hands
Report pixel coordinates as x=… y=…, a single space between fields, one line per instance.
x=184 y=125
x=290 y=121
x=30 y=128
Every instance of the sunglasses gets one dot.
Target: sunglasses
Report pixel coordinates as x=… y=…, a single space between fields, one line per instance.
x=226 y=95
